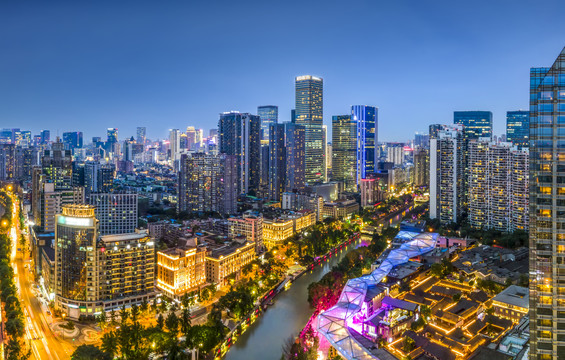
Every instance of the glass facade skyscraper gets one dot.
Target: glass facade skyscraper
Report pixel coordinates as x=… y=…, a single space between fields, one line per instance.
x=366 y=118
x=344 y=150
x=269 y=115
x=476 y=123
x=518 y=127
x=547 y=211
x=310 y=113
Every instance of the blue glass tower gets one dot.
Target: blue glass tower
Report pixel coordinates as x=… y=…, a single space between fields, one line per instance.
x=518 y=127
x=366 y=118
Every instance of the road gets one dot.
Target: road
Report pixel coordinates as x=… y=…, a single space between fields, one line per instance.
x=44 y=343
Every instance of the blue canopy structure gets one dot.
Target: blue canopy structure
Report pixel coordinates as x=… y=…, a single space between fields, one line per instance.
x=335 y=323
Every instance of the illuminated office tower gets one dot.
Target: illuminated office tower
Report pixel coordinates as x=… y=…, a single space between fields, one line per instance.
x=141 y=135
x=240 y=135
x=98 y=177
x=324 y=151
x=547 y=211
x=344 y=147
x=190 y=137
x=366 y=118
x=518 y=127
x=421 y=166
x=45 y=137
x=116 y=212
x=476 y=124
x=112 y=144
x=277 y=162
x=295 y=158
x=76 y=261
x=309 y=113
x=447 y=196
x=269 y=115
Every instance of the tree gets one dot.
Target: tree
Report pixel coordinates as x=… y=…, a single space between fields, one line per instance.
x=160 y=322
x=101 y=319
x=89 y=352
x=124 y=315
x=172 y=323
x=408 y=345
x=185 y=321
x=109 y=343
x=15 y=350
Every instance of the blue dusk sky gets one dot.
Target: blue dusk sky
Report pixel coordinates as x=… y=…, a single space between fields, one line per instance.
x=78 y=66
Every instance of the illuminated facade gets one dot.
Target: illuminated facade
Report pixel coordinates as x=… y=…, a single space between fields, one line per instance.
x=275 y=231
x=249 y=225
x=447 y=177
x=476 y=124
x=181 y=270
x=77 y=288
x=116 y=212
x=498 y=186
x=310 y=112
x=269 y=115
x=366 y=118
x=295 y=157
x=518 y=127
x=277 y=162
x=344 y=151
x=227 y=260
x=547 y=211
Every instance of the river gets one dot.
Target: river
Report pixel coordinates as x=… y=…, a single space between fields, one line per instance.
x=264 y=339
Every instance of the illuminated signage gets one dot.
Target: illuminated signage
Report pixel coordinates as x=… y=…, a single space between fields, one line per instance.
x=74 y=221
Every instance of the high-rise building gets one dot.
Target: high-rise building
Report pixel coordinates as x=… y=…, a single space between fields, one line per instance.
x=277 y=162
x=329 y=159
x=421 y=167
x=7 y=162
x=395 y=153
x=72 y=140
x=434 y=130
x=190 y=137
x=76 y=261
x=476 y=124
x=98 y=177
x=295 y=157
x=112 y=135
x=141 y=135
x=547 y=209
x=518 y=127
x=57 y=166
x=174 y=145
x=498 y=183
x=116 y=212
x=269 y=115
x=45 y=137
x=310 y=113
x=208 y=183
x=447 y=195
x=324 y=152
x=366 y=118
x=344 y=148
x=422 y=141
x=370 y=192
x=240 y=135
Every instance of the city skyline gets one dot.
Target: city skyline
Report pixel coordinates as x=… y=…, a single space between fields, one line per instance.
x=162 y=85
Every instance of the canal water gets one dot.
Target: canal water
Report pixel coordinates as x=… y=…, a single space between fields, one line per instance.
x=264 y=339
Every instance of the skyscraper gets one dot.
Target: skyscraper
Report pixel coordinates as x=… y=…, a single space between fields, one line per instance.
x=141 y=135
x=518 y=127
x=116 y=212
x=174 y=145
x=344 y=147
x=269 y=115
x=208 y=183
x=45 y=137
x=277 y=162
x=72 y=140
x=240 y=135
x=476 y=124
x=447 y=195
x=547 y=210
x=366 y=118
x=310 y=113
x=295 y=159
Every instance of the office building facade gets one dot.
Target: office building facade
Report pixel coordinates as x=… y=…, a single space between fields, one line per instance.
x=476 y=124
x=518 y=127
x=366 y=118
x=547 y=210
x=116 y=212
x=72 y=140
x=269 y=115
x=277 y=162
x=295 y=157
x=344 y=151
x=240 y=136
x=309 y=112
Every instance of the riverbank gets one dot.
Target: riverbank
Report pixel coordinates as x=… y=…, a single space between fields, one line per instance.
x=277 y=316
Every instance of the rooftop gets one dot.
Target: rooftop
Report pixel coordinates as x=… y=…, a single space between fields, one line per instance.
x=514 y=295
